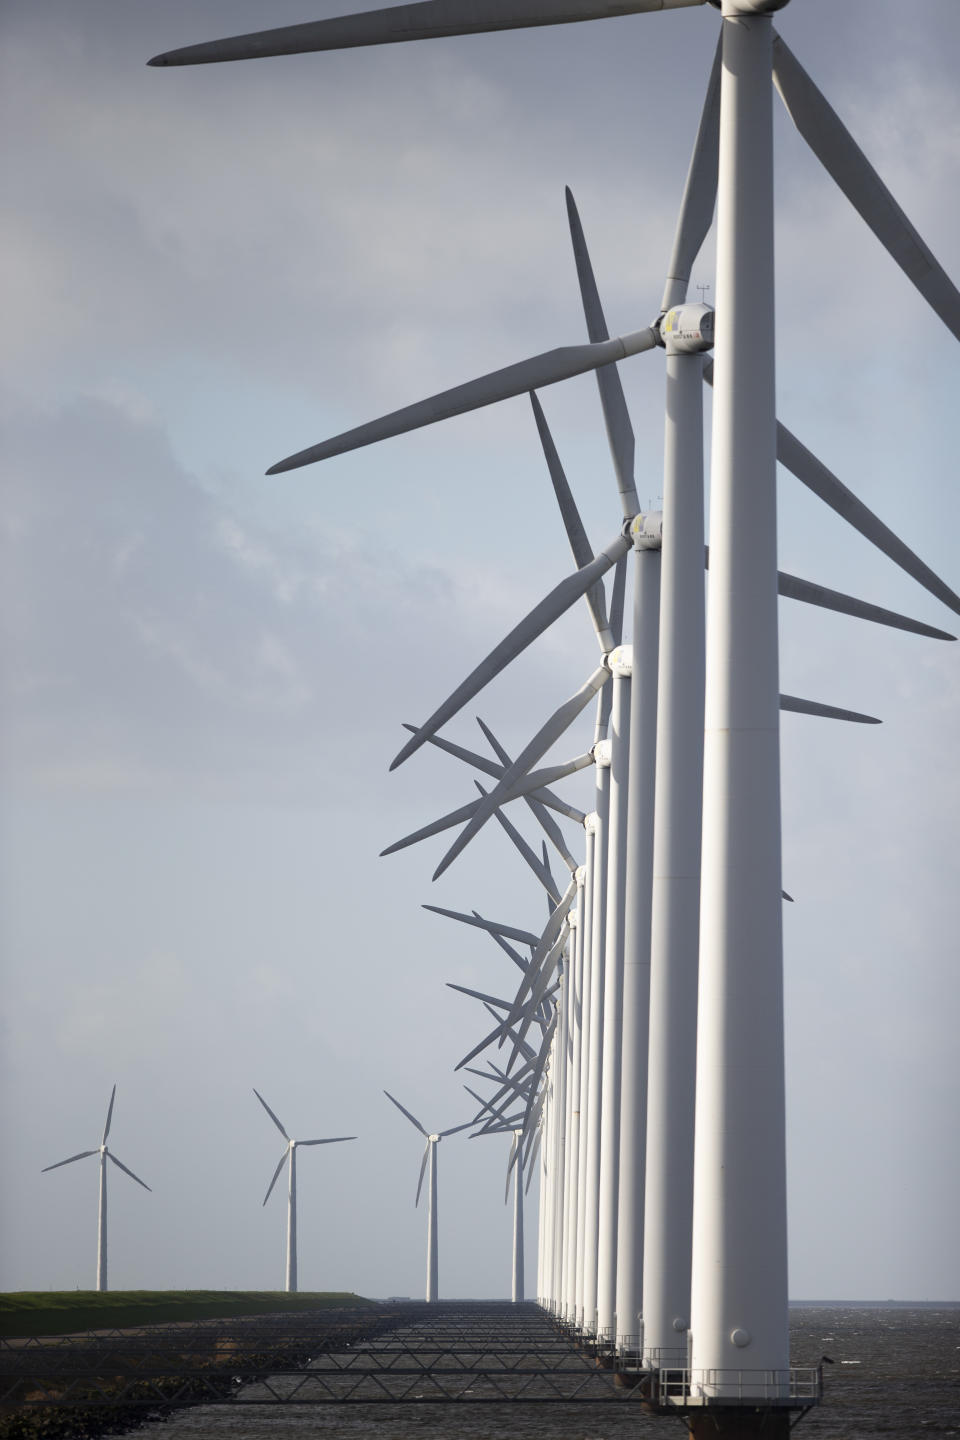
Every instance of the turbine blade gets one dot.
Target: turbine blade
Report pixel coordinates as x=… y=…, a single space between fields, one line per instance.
x=270 y=1113
x=793 y=588
x=445 y=822
x=508 y=1083
x=509 y=1124
x=491 y=1072
x=815 y=475
x=811 y=472
x=526 y=1017
x=501 y=1029
x=559 y=721
x=576 y=534
x=547 y=942
x=553 y=831
x=332 y=1140
x=508 y=949
x=423 y=1167
x=487 y=1040
x=785 y=896
x=829 y=712
x=276 y=1174
x=520 y=1046
x=841 y=157
x=699 y=195
x=546 y=822
x=471 y=757
x=466 y=812
x=530 y=855
x=572 y=522
x=494 y=744
x=526 y=937
x=541 y=1061
x=111 y=1156
x=545 y=369
x=489 y=767
x=545 y=861
x=426 y=21
x=616 y=417
x=531 y=1157
x=412 y=1118
x=455 y=1128
x=484 y=1104
x=479 y=995
x=106 y=1128
x=69 y=1160
x=540 y=618
x=532 y=1130
x=536 y=780
x=539 y=974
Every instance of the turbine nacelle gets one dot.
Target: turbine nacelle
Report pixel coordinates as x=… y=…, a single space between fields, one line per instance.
x=687 y=329
x=646 y=530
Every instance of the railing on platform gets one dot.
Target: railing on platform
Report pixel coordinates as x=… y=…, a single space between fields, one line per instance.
x=685 y=1389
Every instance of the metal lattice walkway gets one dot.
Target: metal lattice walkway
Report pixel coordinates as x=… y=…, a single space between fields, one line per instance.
x=473 y=1352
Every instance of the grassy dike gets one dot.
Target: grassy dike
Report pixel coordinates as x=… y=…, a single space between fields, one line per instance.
x=65 y=1312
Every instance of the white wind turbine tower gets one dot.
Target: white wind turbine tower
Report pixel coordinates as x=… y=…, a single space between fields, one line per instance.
x=105 y=1155
x=289 y=1158
x=516 y=1165
x=429 y=1158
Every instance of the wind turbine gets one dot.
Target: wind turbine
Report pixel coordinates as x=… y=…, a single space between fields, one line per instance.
x=429 y=1158
x=105 y=1155
x=289 y=1158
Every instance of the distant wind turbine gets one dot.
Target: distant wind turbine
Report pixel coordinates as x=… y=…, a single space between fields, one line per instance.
x=289 y=1157
x=429 y=1154
x=105 y=1155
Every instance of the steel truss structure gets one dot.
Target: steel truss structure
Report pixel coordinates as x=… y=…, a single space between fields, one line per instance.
x=477 y=1353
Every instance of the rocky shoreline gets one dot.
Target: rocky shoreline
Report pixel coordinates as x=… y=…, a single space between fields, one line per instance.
x=155 y=1370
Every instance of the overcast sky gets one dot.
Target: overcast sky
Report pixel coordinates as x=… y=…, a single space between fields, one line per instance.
x=206 y=671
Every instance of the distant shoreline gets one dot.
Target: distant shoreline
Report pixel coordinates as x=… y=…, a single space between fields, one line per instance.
x=876 y=1304
x=65 y=1312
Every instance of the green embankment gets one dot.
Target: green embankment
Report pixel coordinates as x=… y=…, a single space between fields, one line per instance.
x=63 y=1312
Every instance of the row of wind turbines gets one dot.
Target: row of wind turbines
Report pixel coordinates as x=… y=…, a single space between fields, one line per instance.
x=289 y=1159
x=655 y=1084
